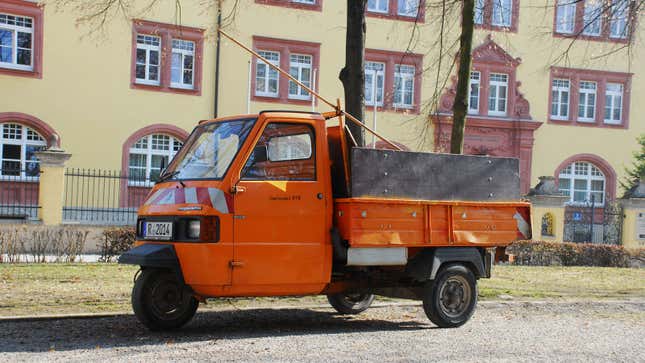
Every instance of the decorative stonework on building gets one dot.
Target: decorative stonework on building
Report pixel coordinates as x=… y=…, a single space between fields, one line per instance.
x=509 y=134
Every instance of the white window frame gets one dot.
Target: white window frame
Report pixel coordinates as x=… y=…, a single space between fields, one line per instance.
x=308 y=2
x=585 y=93
x=403 y=74
x=617 y=98
x=479 y=11
x=573 y=172
x=148 y=49
x=618 y=26
x=495 y=95
x=592 y=16
x=500 y=9
x=376 y=9
x=556 y=98
x=475 y=79
x=267 y=74
x=301 y=93
x=183 y=53
x=173 y=147
x=15 y=29
x=412 y=7
x=28 y=137
x=565 y=19
x=375 y=74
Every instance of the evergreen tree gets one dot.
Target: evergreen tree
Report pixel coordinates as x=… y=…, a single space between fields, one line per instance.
x=637 y=171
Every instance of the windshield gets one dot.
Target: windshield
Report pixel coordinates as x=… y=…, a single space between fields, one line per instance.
x=209 y=151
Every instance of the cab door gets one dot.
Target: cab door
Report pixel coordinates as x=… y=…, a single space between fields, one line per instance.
x=279 y=221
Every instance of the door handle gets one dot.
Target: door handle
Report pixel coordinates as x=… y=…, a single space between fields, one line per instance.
x=234 y=264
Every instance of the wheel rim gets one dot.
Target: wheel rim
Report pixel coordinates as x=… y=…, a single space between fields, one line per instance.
x=454 y=296
x=355 y=298
x=166 y=299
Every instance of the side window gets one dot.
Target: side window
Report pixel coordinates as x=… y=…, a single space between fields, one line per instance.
x=285 y=151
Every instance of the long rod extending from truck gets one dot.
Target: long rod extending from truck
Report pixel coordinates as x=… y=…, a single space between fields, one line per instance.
x=330 y=104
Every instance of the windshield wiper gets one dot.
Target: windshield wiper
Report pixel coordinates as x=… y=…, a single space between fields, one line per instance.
x=167 y=176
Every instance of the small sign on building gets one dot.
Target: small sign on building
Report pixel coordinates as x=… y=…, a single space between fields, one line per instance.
x=577 y=216
x=640 y=225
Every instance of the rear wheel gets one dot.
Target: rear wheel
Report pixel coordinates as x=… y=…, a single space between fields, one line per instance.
x=449 y=301
x=161 y=302
x=350 y=303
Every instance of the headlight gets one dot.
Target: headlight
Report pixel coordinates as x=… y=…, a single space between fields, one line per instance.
x=194 y=229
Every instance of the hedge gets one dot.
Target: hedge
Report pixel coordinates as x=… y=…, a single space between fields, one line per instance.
x=542 y=253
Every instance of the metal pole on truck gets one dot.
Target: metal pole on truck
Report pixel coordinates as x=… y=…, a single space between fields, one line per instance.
x=248 y=95
x=374 y=106
x=308 y=89
x=313 y=85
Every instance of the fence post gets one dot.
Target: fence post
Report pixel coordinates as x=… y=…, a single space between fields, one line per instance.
x=633 y=234
x=51 y=188
x=547 y=210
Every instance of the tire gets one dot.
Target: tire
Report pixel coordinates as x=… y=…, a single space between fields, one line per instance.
x=161 y=302
x=449 y=301
x=350 y=304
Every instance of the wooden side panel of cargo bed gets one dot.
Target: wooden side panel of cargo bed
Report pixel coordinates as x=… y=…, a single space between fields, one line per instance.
x=481 y=224
x=372 y=225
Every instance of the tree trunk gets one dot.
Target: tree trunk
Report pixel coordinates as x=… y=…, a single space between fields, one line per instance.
x=353 y=74
x=460 y=107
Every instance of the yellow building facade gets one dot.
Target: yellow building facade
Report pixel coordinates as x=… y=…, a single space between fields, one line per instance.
x=125 y=95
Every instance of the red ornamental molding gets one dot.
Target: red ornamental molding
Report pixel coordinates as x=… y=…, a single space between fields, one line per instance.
x=46 y=131
x=489 y=58
x=600 y=163
x=34 y=11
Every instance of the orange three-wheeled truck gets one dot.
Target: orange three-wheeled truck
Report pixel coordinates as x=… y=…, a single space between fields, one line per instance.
x=279 y=203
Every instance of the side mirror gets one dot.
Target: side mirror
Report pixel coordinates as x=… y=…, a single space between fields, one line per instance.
x=260 y=154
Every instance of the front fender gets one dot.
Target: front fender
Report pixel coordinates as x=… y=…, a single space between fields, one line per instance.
x=153 y=255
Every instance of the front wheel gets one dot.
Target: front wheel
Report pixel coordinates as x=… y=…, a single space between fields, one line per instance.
x=161 y=302
x=449 y=301
x=350 y=303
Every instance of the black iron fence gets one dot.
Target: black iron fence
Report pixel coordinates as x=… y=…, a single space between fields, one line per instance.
x=103 y=197
x=590 y=223
x=18 y=193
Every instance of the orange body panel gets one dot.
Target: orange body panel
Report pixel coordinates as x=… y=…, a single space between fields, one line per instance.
x=373 y=222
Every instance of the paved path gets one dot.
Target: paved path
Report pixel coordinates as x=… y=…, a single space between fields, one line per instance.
x=583 y=331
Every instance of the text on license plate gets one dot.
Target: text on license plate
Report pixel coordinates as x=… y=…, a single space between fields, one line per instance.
x=158 y=230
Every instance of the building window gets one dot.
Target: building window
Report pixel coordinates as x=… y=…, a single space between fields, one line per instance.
x=473 y=97
x=497 y=14
x=403 y=86
x=148 y=59
x=618 y=22
x=167 y=57
x=300 y=69
x=21 y=38
x=18 y=147
x=613 y=103
x=378 y=6
x=267 y=78
x=498 y=94
x=502 y=12
x=374 y=83
x=582 y=180
x=300 y=58
x=296 y=4
x=560 y=99
x=565 y=16
x=183 y=64
x=587 y=101
x=148 y=155
x=583 y=90
x=408 y=8
x=592 y=19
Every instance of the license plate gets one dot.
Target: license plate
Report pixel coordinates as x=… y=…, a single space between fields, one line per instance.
x=157 y=230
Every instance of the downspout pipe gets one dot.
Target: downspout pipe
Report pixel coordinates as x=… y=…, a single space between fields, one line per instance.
x=217 y=49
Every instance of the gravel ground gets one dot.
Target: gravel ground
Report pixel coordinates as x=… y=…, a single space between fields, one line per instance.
x=499 y=331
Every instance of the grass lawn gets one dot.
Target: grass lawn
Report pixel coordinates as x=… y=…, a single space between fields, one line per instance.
x=40 y=289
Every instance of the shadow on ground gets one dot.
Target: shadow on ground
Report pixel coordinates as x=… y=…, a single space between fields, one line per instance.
x=125 y=331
